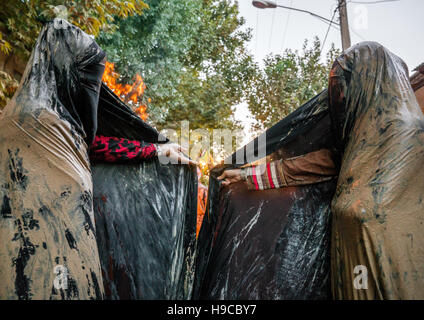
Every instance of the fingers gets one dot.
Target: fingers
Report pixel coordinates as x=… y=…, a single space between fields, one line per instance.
x=175 y=151
x=178 y=148
x=182 y=149
x=181 y=158
x=226 y=178
x=222 y=176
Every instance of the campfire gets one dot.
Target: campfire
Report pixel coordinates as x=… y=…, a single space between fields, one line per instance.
x=131 y=94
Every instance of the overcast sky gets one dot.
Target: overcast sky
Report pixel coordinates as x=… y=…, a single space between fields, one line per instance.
x=398 y=25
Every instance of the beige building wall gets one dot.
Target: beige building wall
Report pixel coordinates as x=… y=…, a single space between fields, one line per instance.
x=420 y=97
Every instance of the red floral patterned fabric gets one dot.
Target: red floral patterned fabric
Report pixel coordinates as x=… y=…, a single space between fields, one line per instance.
x=112 y=149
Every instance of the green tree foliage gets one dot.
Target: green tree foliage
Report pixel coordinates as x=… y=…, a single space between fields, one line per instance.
x=21 y=21
x=287 y=81
x=219 y=71
x=8 y=86
x=152 y=45
x=192 y=57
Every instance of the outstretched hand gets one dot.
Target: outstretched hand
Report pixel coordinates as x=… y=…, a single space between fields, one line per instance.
x=230 y=176
x=173 y=151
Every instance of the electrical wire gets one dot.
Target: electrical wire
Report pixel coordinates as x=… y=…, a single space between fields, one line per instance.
x=367 y=2
x=330 y=23
x=286 y=27
x=372 y=2
x=335 y=26
x=272 y=28
x=257 y=33
x=328 y=30
x=305 y=11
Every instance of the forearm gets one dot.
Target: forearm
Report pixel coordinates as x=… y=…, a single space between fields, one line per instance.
x=113 y=149
x=306 y=169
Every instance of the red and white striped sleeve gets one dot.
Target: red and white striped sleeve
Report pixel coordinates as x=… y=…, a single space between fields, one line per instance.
x=265 y=176
x=306 y=169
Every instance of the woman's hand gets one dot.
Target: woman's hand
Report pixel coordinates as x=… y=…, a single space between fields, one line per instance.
x=173 y=151
x=230 y=176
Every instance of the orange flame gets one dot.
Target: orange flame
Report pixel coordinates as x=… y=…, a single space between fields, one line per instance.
x=128 y=93
x=202 y=195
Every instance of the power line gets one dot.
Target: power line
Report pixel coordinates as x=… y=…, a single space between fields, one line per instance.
x=332 y=25
x=272 y=27
x=373 y=2
x=330 y=22
x=367 y=2
x=306 y=11
x=325 y=38
x=257 y=23
x=286 y=27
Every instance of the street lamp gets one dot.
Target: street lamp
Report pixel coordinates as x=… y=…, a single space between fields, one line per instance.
x=264 y=4
x=272 y=5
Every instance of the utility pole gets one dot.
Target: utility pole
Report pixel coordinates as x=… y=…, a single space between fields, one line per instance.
x=344 y=26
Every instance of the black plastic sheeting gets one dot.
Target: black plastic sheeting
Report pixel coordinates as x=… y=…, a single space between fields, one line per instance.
x=46 y=215
x=275 y=244
x=144 y=219
x=377 y=211
x=145 y=215
x=271 y=244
